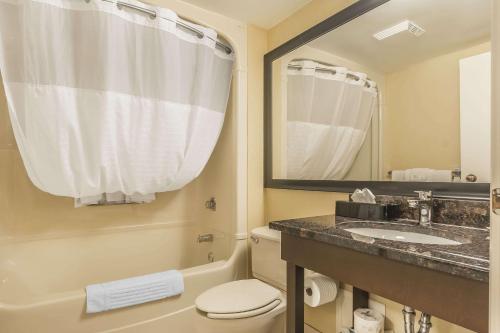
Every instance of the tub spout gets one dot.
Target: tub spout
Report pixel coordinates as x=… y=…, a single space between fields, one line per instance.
x=409 y=319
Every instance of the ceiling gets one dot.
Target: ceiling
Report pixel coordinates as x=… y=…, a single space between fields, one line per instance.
x=262 y=13
x=450 y=25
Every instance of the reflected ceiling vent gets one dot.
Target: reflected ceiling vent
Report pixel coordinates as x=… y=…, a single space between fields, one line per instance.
x=406 y=25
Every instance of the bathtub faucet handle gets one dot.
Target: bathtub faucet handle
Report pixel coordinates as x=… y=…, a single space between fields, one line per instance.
x=205 y=238
x=211 y=204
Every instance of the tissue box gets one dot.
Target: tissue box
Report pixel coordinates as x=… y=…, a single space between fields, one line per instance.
x=367 y=211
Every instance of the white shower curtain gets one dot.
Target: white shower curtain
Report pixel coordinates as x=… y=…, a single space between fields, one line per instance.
x=106 y=100
x=329 y=110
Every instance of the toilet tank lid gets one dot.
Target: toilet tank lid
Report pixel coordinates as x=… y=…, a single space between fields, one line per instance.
x=266 y=233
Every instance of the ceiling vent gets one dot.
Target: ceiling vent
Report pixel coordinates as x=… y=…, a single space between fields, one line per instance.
x=406 y=25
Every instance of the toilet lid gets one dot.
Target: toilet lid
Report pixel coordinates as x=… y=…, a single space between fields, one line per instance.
x=238 y=296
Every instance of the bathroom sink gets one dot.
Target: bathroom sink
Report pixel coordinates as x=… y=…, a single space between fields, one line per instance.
x=402 y=236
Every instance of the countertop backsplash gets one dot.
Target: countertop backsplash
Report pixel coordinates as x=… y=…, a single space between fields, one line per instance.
x=460 y=212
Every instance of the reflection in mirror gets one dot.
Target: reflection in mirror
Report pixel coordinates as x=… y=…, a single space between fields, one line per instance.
x=396 y=94
x=329 y=109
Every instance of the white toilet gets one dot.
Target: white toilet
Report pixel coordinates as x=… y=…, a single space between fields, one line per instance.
x=253 y=305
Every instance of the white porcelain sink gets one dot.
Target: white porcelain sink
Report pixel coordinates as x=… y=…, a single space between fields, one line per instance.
x=402 y=236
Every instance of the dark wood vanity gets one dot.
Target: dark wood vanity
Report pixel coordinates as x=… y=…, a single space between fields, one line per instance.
x=454 y=290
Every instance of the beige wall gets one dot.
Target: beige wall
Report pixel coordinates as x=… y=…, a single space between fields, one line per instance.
x=282 y=204
x=257 y=47
x=309 y=15
x=422 y=114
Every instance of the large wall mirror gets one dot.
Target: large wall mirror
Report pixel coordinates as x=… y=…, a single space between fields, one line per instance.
x=392 y=95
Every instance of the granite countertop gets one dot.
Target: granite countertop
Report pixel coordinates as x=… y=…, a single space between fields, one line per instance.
x=469 y=259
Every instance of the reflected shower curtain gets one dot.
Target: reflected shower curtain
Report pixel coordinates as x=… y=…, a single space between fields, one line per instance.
x=329 y=111
x=106 y=100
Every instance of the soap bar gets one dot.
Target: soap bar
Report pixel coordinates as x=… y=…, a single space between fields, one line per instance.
x=367 y=211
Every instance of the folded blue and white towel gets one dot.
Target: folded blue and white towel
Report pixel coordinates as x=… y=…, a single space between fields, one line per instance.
x=132 y=291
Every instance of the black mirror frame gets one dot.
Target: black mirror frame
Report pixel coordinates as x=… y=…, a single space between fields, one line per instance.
x=465 y=190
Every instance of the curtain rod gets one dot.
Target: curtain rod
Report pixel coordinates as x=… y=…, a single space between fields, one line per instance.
x=328 y=70
x=320 y=69
x=153 y=15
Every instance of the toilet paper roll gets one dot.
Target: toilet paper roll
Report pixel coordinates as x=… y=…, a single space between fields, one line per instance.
x=319 y=289
x=368 y=321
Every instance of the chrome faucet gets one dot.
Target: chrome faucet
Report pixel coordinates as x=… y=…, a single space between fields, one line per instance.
x=424 y=205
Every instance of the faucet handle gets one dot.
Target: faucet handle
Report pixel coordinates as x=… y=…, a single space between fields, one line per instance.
x=424 y=195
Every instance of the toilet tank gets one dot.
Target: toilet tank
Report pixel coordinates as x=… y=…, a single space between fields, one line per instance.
x=266 y=257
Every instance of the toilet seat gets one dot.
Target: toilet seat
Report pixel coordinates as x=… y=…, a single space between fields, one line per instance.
x=238 y=299
x=247 y=314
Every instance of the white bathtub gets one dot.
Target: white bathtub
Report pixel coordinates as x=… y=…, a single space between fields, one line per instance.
x=41 y=293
